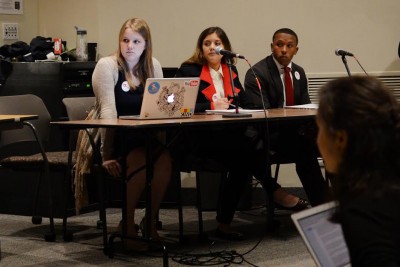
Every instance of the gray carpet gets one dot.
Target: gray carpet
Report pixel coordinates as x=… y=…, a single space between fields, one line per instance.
x=22 y=243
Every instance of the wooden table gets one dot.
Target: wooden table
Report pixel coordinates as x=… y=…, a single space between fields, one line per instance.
x=273 y=115
x=198 y=120
x=8 y=122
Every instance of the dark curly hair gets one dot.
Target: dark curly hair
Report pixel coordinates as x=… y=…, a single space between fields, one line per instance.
x=370 y=115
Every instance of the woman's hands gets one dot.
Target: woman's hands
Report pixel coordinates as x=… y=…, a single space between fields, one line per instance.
x=221 y=103
x=113 y=167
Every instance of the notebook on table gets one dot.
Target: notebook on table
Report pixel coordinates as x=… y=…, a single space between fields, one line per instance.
x=168 y=98
x=323 y=238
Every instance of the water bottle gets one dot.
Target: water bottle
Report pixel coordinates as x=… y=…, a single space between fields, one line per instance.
x=81 y=45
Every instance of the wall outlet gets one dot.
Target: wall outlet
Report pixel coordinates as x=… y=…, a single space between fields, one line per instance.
x=10 y=31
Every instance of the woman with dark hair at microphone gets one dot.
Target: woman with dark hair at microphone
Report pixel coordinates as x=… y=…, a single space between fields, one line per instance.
x=230 y=146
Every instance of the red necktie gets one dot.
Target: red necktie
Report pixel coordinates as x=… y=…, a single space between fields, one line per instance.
x=288 y=88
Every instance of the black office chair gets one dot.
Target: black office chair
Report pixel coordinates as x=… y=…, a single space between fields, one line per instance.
x=188 y=161
x=24 y=150
x=78 y=108
x=169 y=72
x=203 y=167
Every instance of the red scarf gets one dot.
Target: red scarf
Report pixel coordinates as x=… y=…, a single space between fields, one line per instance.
x=210 y=90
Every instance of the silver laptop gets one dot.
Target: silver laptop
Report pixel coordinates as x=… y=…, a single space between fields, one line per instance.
x=323 y=238
x=168 y=98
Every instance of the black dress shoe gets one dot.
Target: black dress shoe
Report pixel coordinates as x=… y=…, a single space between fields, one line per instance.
x=232 y=236
x=302 y=204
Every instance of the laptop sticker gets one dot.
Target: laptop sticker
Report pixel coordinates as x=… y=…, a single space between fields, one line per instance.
x=170 y=99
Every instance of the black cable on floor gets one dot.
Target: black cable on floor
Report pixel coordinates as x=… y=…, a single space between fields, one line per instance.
x=223 y=257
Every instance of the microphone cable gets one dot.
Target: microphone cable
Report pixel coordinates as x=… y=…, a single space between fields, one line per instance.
x=258 y=85
x=226 y=257
x=214 y=258
x=263 y=105
x=360 y=65
x=266 y=139
x=340 y=52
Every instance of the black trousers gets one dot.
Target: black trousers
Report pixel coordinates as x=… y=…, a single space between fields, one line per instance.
x=297 y=144
x=238 y=153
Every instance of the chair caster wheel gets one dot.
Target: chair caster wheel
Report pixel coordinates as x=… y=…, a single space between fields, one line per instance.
x=50 y=237
x=36 y=219
x=99 y=224
x=68 y=237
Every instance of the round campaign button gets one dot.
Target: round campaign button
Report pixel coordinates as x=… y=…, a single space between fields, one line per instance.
x=297 y=75
x=125 y=86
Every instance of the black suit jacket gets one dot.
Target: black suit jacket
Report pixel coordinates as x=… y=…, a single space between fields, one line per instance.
x=272 y=86
x=206 y=89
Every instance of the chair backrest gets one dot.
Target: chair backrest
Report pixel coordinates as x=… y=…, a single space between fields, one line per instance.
x=19 y=140
x=78 y=107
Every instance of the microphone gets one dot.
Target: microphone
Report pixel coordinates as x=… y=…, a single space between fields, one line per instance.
x=340 y=52
x=227 y=53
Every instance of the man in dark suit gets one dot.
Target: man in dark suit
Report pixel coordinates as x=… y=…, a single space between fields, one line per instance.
x=270 y=73
x=283 y=83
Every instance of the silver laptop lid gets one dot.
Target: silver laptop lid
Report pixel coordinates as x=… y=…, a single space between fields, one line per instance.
x=323 y=238
x=168 y=98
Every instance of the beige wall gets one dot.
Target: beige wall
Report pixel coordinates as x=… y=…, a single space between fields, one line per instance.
x=369 y=29
x=28 y=22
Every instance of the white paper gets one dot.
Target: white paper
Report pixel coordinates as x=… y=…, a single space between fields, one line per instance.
x=227 y=111
x=305 y=106
x=13 y=7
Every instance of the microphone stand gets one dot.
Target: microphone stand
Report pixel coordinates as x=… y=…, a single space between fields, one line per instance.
x=235 y=95
x=345 y=64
